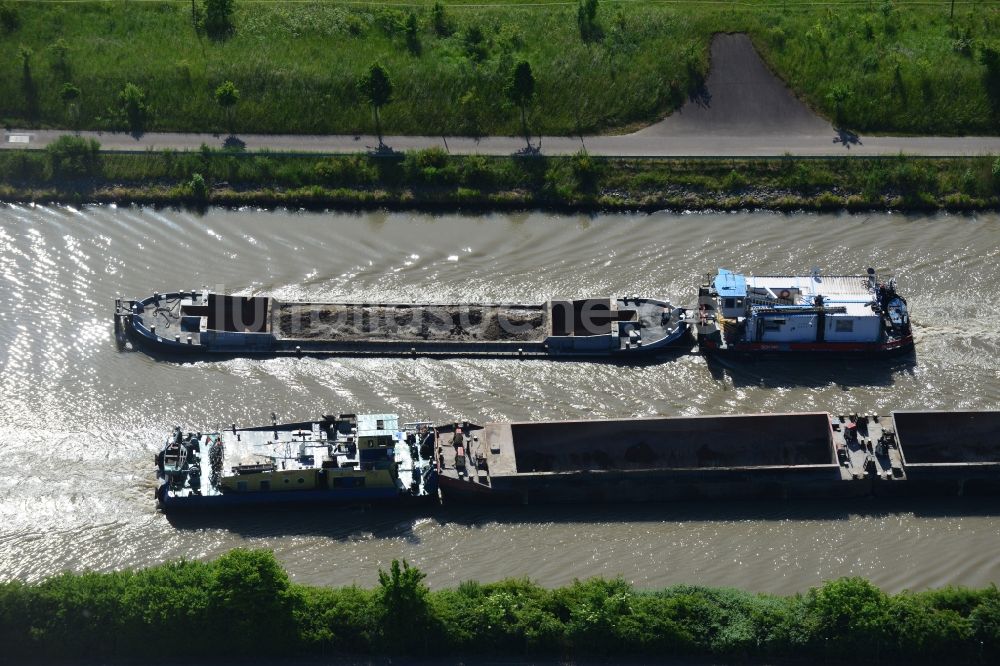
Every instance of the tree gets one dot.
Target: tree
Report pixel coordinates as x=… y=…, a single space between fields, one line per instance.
x=9 y=18
x=990 y=58
x=70 y=96
x=218 y=18
x=586 y=18
x=27 y=80
x=133 y=107
x=412 y=31
x=59 y=52
x=403 y=603
x=439 y=19
x=25 y=53
x=521 y=91
x=226 y=96
x=375 y=87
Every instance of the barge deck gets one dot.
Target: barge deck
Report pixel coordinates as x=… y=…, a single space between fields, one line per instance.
x=376 y=458
x=786 y=456
x=205 y=323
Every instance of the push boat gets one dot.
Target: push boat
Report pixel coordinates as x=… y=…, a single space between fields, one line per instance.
x=814 y=314
x=376 y=459
x=202 y=322
x=367 y=458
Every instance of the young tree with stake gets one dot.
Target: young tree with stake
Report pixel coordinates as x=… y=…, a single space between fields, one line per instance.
x=521 y=91
x=375 y=87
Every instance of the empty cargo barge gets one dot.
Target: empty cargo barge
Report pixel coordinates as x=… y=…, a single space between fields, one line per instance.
x=202 y=322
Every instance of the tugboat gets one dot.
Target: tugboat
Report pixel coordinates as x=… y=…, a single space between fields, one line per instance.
x=814 y=314
x=366 y=458
x=203 y=323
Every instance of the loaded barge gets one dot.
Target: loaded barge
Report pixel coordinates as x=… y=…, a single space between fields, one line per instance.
x=376 y=459
x=203 y=322
x=802 y=315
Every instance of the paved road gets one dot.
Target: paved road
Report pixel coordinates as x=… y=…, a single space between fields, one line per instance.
x=743 y=110
x=630 y=145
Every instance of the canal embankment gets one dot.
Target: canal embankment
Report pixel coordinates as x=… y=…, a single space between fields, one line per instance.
x=75 y=170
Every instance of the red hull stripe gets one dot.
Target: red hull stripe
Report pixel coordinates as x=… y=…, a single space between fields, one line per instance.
x=892 y=345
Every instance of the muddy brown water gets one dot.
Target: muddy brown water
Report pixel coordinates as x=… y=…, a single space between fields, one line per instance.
x=79 y=421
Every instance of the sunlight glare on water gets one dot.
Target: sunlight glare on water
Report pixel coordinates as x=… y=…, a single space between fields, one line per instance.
x=80 y=421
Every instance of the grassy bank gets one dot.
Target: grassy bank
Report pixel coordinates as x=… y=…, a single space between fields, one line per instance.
x=74 y=170
x=244 y=604
x=881 y=65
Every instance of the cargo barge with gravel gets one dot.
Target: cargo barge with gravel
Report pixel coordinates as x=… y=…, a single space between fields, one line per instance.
x=379 y=459
x=201 y=322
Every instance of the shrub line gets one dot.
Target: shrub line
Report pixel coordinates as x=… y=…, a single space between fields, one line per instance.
x=244 y=605
x=75 y=170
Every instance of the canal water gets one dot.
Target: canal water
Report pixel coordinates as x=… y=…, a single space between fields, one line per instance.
x=80 y=421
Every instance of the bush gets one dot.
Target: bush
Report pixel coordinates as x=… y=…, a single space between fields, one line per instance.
x=337 y=621
x=912 y=177
x=925 y=631
x=74 y=157
x=985 y=624
x=173 y=595
x=243 y=603
x=250 y=595
x=847 y=607
x=343 y=171
x=133 y=109
x=432 y=166
x=198 y=187
x=476 y=171
x=77 y=614
x=586 y=170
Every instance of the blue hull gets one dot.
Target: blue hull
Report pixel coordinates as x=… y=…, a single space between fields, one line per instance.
x=341 y=496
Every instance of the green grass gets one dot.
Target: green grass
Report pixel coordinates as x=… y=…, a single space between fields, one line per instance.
x=244 y=604
x=74 y=169
x=904 y=68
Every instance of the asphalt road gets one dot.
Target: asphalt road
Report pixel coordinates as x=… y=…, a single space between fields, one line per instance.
x=744 y=110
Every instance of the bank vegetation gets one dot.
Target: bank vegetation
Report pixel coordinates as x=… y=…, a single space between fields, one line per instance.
x=74 y=170
x=243 y=604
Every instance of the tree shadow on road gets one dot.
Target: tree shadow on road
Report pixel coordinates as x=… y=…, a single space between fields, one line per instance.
x=234 y=143
x=701 y=97
x=847 y=138
x=382 y=150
